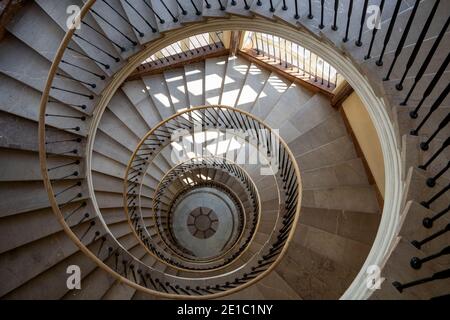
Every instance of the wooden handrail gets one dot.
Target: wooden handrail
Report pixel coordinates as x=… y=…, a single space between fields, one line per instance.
x=56 y=209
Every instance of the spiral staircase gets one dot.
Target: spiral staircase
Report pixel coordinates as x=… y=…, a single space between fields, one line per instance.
x=103 y=158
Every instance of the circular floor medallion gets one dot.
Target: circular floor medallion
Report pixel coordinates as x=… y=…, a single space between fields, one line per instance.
x=202 y=222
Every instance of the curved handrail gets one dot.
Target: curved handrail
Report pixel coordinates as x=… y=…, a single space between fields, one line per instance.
x=159 y=137
x=159 y=190
x=259 y=271
x=381 y=121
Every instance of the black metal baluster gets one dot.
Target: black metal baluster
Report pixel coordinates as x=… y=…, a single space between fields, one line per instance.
x=154 y=30
x=431 y=182
x=349 y=16
x=310 y=15
x=428 y=221
x=418 y=45
x=183 y=11
x=174 y=18
x=334 y=27
x=419 y=244
x=272 y=9
x=436 y=276
x=374 y=31
x=433 y=108
x=161 y=20
x=358 y=42
x=81 y=106
x=134 y=43
x=296 y=15
x=85 y=217
x=427 y=204
x=141 y=34
x=102 y=242
x=92 y=85
x=105 y=65
x=379 y=62
x=321 y=25
x=424 y=145
x=222 y=7
x=82 y=205
x=426 y=62
x=121 y=48
x=246 y=6
x=197 y=12
x=416 y=263
x=414 y=114
x=401 y=43
x=89 y=96
x=74 y=151
x=84 y=69
x=91 y=225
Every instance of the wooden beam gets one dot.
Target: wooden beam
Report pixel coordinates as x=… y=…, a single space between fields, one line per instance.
x=293 y=76
x=342 y=92
x=180 y=62
x=235 y=42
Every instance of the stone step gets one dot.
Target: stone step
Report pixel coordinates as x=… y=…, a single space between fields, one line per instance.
x=337 y=151
x=19 y=134
x=313 y=275
x=193 y=11
x=322 y=134
x=254 y=83
x=357 y=226
x=361 y=199
x=235 y=75
x=176 y=84
x=239 y=8
x=347 y=173
x=94 y=35
x=342 y=250
x=273 y=89
x=30 y=68
x=215 y=69
x=143 y=19
x=194 y=75
x=126 y=38
x=398 y=269
x=27 y=106
x=139 y=97
x=23 y=196
x=214 y=9
x=123 y=109
x=19 y=165
x=169 y=14
x=156 y=85
x=290 y=104
x=31 y=22
x=412 y=229
x=262 y=8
